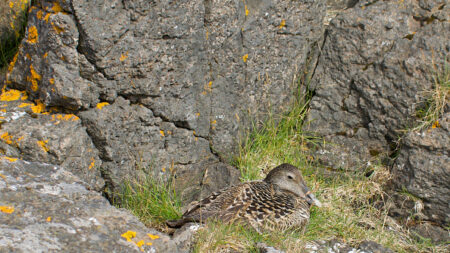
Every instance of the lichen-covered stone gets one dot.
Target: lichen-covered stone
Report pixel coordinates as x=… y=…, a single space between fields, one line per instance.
x=45 y=208
x=30 y=133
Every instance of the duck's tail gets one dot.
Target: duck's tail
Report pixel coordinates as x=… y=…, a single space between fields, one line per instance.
x=178 y=223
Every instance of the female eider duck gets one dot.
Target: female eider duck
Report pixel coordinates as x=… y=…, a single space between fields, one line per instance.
x=280 y=202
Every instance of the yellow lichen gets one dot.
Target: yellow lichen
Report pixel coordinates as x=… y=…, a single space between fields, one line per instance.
x=282 y=24
x=149 y=244
x=245 y=57
x=161 y=132
x=49 y=219
x=11 y=159
x=123 y=56
x=12 y=63
x=140 y=243
x=153 y=237
x=12 y=95
x=101 y=105
x=246 y=10
x=39 y=107
x=39 y=14
x=32 y=35
x=7 y=209
x=11 y=5
x=6 y=138
x=92 y=163
x=129 y=235
x=58 y=30
x=65 y=117
x=25 y=105
x=43 y=145
x=56 y=7
x=34 y=78
x=46 y=17
x=435 y=124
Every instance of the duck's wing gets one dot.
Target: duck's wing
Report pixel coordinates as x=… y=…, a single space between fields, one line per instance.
x=223 y=205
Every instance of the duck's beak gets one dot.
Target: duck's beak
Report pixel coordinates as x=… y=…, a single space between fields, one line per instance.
x=312 y=200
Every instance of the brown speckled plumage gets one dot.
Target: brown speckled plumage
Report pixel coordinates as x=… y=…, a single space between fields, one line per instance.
x=281 y=201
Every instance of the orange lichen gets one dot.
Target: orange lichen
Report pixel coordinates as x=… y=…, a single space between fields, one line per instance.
x=45 y=55
x=52 y=81
x=129 y=235
x=11 y=5
x=282 y=24
x=245 y=57
x=32 y=35
x=123 y=56
x=7 y=209
x=13 y=95
x=161 y=132
x=48 y=219
x=101 y=105
x=153 y=237
x=43 y=145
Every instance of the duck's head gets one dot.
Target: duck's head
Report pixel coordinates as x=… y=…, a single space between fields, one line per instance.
x=288 y=178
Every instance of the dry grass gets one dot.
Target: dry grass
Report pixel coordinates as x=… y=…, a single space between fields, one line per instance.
x=436 y=100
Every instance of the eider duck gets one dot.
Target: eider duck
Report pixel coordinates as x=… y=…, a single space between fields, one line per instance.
x=279 y=202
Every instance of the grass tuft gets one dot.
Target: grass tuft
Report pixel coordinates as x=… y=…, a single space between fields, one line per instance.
x=152 y=200
x=435 y=100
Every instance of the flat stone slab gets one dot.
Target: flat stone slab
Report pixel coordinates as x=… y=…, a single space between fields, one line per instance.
x=44 y=208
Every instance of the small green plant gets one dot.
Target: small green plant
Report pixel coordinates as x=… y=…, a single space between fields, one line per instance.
x=152 y=200
x=436 y=100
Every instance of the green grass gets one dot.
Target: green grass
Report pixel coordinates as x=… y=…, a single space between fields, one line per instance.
x=435 y=100
x=151 y=199
x=280 y=139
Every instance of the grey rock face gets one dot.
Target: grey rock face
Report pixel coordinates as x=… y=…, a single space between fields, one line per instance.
x=423 y=170
x=374 y=66
x=182 y=79
x=46 y=208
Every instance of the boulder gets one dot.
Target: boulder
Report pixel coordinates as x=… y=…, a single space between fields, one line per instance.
x=30 y=133
x=45 y=208
x=375 y=64
x=422 y=170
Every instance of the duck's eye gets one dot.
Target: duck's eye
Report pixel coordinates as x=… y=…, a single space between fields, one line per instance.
x=290 y=177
